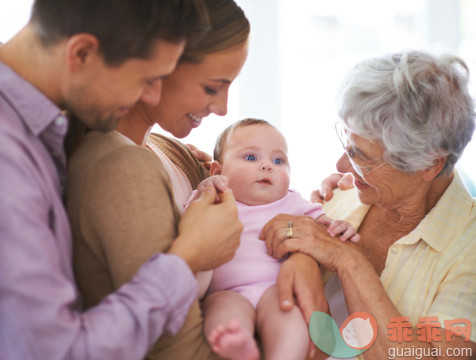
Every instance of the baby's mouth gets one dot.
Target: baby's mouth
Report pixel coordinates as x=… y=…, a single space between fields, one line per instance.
x=264 y=181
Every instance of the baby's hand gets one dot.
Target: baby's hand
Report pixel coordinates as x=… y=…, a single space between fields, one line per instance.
x=340 y=227
x=219 y=182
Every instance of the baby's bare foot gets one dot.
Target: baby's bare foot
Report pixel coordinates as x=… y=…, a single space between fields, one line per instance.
x=233 y=342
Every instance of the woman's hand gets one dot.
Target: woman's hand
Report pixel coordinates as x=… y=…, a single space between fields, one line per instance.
x=300 y=277
x=209 y=232
x=309 y=237
x=201 y=155
x=333 y=181
x=219 y=182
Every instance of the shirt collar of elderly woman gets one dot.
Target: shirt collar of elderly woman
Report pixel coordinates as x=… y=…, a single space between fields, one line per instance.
x=406 y=121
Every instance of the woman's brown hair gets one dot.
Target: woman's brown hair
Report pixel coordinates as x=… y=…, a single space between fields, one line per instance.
x=229 y=28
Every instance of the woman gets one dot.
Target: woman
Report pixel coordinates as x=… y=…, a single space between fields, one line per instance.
x=406 y=119
x=109 y=247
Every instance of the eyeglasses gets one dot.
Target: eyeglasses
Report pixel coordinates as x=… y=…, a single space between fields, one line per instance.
x=354 y=157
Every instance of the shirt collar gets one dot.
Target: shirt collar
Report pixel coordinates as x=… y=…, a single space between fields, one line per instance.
x=454 y=207
x=35 y=110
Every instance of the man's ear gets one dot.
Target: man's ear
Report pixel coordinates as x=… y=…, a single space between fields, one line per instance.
x=215 y=168
x=80 y=50
x=430 y=173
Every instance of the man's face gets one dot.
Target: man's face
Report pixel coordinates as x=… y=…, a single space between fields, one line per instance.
x=100 y=94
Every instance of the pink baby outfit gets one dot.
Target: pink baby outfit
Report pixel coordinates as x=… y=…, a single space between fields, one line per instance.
x=252 y=270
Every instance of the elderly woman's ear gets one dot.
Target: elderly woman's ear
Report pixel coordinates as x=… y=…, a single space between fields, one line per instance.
x=433 y=171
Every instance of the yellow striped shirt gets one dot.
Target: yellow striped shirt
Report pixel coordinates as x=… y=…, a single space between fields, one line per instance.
x=432 y=270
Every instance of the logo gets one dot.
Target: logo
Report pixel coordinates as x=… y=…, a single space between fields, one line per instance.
x=356 y=335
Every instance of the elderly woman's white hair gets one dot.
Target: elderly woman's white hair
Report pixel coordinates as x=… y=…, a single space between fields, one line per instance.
x=415 y=104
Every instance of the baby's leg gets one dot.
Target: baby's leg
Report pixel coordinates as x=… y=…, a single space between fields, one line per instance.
x=229 y=325
x=284 y=335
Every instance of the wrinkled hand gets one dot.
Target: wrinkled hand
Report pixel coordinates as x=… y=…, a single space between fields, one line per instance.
x=309 y=237
x=201 y=155
x=333 y=181
x=300 y=278
x=209 y=232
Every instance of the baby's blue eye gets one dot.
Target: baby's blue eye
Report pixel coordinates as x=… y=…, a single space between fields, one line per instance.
x=250 y=157
x=278 y=161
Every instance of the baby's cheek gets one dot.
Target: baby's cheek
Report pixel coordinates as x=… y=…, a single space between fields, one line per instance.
x=285 y=179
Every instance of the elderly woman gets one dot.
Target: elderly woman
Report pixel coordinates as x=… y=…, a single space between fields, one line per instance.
x=406 y=119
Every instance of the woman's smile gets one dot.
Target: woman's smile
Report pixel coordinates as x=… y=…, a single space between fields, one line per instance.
x=194 y=119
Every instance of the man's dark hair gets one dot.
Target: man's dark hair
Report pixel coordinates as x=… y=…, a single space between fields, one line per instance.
x=125 y=28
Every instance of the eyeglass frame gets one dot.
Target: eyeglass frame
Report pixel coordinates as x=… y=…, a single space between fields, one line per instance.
x=358 y=169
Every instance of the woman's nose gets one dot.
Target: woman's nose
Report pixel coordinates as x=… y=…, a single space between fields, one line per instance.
x=219 y=106
x=343 y=165
x=152 y=93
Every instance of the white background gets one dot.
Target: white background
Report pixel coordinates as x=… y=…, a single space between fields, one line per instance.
x=300 y=51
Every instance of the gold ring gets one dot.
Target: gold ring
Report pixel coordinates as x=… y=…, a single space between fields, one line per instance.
x=289 y=230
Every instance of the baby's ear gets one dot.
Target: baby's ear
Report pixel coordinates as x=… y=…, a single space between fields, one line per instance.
x=215 y=168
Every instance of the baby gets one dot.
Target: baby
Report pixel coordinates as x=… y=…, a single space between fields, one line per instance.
x=252 y=161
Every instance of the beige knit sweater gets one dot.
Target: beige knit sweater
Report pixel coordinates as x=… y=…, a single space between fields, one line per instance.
x=122 y=212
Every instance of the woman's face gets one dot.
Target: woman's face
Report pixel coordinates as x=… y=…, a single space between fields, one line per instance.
x=385 y=186
x=194 y=91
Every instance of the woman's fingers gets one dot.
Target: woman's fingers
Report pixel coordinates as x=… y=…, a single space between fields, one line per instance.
x=285 y=283
x=220 y=182
x=346 y=182
x=200 y=155
x=316 y=197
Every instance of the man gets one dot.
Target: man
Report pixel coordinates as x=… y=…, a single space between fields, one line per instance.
x=95 y=59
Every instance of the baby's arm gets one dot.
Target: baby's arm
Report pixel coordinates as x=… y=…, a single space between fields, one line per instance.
x=339 y=227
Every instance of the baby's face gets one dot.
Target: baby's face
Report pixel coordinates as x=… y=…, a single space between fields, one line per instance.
x=256 y=164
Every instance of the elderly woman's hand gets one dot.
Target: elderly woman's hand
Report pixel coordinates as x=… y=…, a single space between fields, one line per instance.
x=329 y=184
x=309 y=237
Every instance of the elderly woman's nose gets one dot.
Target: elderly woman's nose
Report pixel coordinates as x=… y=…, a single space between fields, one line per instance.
x=343 y=165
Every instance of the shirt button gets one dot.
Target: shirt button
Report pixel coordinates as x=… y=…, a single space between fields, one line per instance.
x=394 y=249
x=60 y=120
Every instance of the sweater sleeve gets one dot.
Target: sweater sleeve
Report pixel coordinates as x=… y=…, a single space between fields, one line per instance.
x=129 y=210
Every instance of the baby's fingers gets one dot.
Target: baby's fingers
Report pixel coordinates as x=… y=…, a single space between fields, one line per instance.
x=338 y=227
x=350 y=234
x=355 y=238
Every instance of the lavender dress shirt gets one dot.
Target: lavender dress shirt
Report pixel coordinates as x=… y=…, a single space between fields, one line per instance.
x=40 y=315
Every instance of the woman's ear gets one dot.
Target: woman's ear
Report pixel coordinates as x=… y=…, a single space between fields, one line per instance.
x=215 y=168
x=433 y=171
